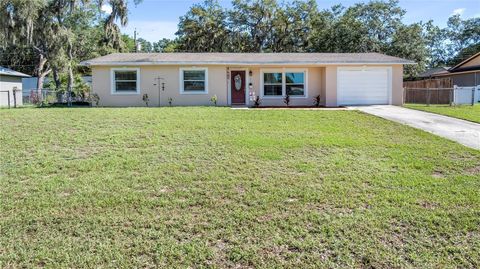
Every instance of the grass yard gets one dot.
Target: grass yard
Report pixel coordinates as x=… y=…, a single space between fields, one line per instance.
x=215 y=187
x=466 y=112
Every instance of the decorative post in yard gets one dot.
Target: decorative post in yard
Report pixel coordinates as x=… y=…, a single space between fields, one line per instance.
x=161 y=86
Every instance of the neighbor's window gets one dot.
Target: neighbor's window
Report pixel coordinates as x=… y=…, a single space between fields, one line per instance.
x=194 y=80
x=272 y=84
x=125 y=81
x=295 y=83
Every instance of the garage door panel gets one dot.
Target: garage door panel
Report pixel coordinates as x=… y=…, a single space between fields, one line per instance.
x=363 y=86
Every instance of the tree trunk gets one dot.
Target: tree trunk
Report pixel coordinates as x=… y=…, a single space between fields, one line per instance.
x=40 y=78
x=56 y=78
x=70 y=60
x=58 y=85
x=70 y=84
x=41 y=74
x=70 y=74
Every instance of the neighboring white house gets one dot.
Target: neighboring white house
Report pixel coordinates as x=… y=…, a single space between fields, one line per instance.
x=9 y=80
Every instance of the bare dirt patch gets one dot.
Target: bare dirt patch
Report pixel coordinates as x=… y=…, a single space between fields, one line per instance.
x=474 y=170
x=438 y=174
x=428 y=204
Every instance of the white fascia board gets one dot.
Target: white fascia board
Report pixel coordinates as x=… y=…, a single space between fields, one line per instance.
x=234 y=63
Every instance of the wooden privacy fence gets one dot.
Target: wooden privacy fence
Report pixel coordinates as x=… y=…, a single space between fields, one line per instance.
x=429 y=83
x=429 y=95
x=429 y=91
x=450 y=96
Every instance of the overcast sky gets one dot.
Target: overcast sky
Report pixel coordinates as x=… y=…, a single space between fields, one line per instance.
x=157 y=19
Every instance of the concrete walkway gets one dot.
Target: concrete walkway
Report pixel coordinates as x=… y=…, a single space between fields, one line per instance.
x=464 y=132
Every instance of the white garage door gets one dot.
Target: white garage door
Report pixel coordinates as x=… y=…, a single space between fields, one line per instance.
x=364 y=85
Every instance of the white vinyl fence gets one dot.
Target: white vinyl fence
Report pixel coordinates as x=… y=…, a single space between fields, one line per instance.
x=466 y=95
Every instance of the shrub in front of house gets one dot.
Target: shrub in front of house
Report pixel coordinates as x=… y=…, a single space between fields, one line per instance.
x=286 y=100
x=95 y=98
x=257 y=102
x=214 y=100
x=146 y=99
x=316 y=100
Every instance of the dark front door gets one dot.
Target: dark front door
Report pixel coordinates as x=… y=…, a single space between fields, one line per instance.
x=237 y=83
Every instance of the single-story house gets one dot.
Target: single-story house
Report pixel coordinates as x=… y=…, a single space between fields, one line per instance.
x=10 y=80
x=464 y=74
x=122 y=79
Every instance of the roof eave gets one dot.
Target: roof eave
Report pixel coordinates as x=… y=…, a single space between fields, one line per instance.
x=464 y=61
x=16 y=75
x=125 y=63
x=456 y=73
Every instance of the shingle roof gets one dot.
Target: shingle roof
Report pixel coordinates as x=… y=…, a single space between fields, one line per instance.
x=9 y=72
x=244 y=59
x=434 y=71
x=458 y=66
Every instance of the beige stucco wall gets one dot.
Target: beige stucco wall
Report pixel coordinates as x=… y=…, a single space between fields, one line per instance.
x=320 y=81
x=7 y=83
x=217 y=83
x=314 y=85
x=330 y=84
x=397 y=85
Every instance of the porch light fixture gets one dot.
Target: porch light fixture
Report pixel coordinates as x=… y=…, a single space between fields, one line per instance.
x=250 y=73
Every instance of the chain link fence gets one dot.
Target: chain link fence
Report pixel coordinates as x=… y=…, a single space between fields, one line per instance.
x=50 y=97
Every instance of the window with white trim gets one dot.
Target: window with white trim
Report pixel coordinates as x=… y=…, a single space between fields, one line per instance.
x=295 y=83
x=286 y=82
x=272 y=84
x=193 y=80
x=125 y=81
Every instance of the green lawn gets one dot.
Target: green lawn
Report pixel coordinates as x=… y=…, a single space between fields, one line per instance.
x=466 y=112
x=216 y=187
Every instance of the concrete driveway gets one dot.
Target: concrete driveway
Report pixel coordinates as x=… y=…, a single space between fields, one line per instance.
x=464 y=132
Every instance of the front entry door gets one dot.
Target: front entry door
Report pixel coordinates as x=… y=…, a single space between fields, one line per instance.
x=237 y=84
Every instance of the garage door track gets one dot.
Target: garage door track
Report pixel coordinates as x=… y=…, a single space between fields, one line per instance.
x=464 y=132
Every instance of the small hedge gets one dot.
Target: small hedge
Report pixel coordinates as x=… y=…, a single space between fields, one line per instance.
x=76 y=103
